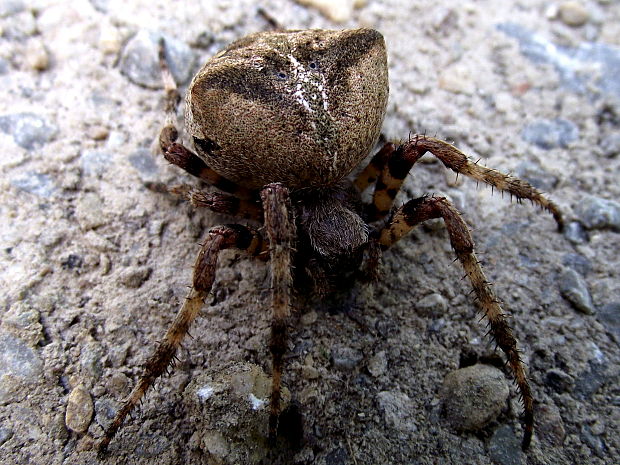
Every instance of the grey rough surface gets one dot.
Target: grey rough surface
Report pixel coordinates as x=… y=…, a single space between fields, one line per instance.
x=231 y=408
x=78 y=232
x=474 y=396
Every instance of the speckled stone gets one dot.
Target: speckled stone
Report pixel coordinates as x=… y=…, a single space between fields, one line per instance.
x=549 y=134
x=433 y=305
x=474 y=396
x=19 y=365
x=397 y=408
x=378 y=364
x=574 y=289
x=80 y=409
x=29 y=130
x=597 y=213
x=573 y=14
x=134 y=277
x=39 y=184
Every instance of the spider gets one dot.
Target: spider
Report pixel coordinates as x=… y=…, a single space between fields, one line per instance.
x=279 y=120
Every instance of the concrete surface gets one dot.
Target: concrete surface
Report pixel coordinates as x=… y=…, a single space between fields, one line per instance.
x=93 y=265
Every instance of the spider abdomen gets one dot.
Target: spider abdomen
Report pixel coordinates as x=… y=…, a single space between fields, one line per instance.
x=302 y=108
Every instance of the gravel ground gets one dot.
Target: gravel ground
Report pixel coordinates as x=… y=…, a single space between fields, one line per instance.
x=93 y=265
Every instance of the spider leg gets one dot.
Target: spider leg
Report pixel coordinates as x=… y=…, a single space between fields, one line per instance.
x=419 y=210
x=177 y=153
x=214 y=201
x=402 y=159
x=219 y=238
x=370 y=174
x=280 y=228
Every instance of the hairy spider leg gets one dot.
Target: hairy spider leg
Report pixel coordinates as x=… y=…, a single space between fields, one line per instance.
x=391 y=178
x=281 y=234
x=371 y=173
x=421 y=209
x=214 y=201
x=218 y=238
x=401 y=160
x=177 y=153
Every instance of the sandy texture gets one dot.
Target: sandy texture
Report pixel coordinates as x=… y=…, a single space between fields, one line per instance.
x=93 y=264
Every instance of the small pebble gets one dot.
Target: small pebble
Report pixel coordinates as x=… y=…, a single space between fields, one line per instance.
x=595 y=443
x=549 y=134
x=140 y=63
x=80 y=410
x=536 y=176
x=38 y=184
x=134 y=277
x=95 y=162
x=338 y=11
x=98 y=132
x=19 y=365
x=397 y=408
x=598 y=213
x=457 y=79
x=88 y=211
x=144 y=162
x=26 y=320
x=214 y=443
x=558 y=380
x=574 y=65
x=345 y=358
x=309 y=372
x=598 y=427
x=590 y=380
x=574 y=289
x=549 y=425
x=29 y=131
x=91 y=359
x=474 y=396
x=36 y=56
x=432 y=305
x=151 y=446
x=576 y=233
x=378 y=364
x=309 y=318
x=573 y=14
x=110 y=39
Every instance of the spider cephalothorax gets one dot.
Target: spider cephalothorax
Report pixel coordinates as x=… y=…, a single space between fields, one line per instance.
x=279 y=120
